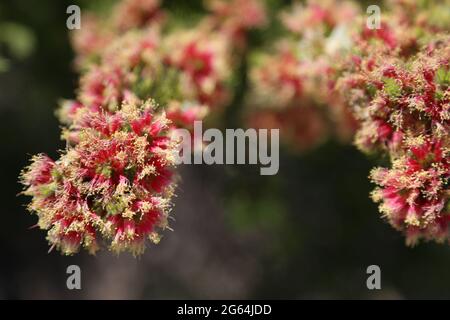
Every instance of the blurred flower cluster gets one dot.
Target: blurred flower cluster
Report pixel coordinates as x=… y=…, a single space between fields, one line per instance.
x=140 y=79
x=388 y=87
x=292 y=84
x=329 y=75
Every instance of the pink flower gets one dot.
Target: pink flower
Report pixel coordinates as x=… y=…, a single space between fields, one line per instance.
x=384 y=33
x=104 y=88
x=115 y=184
x=414 y=194
x=202 y=60
x=277 y=80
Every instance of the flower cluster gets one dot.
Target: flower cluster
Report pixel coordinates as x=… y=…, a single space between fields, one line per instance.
x=396 y=84
x=132 y=57
x=116 y=183
x=329 y=75
x=394 y=98
x=292 y=87
x=414 y=193
x=281 y=102
x=96 y=34
x=115 y=180
x=387 y=87
x=408 y=117
x=202 y=61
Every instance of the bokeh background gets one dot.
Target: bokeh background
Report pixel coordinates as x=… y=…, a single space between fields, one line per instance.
x=308 y=232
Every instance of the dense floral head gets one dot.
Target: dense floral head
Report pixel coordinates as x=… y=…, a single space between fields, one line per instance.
x=277 y=78
x=298 y=91
x=104 y=88
x=202 y=60
x=398 y=89
x=394 y=98
x=404 y=28
x=414 y=194
x=97 y=34
x=115 y=184
x=279 y=100
x=189 y=66
x=133 y=49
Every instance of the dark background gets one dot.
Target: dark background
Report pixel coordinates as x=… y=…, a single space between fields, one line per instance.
x=309 y=232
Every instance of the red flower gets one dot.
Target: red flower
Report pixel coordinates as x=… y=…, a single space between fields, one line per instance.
x=116 y=183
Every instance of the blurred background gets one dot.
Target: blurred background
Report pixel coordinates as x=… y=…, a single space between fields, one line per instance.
x=309 y=232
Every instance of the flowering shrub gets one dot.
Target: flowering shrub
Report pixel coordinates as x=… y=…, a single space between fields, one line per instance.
x=328 y=76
